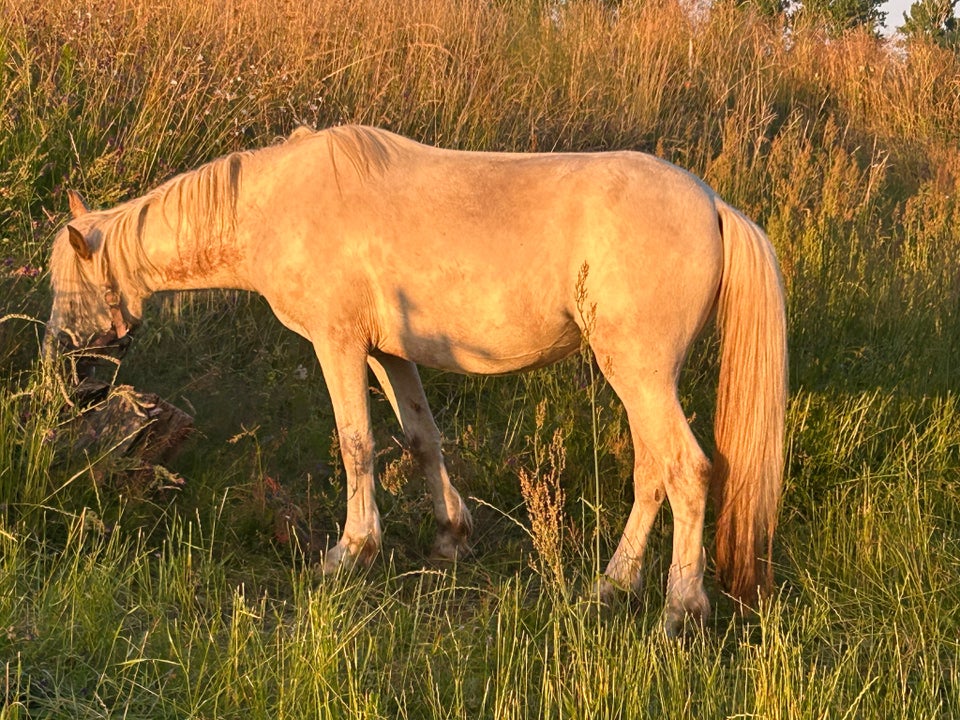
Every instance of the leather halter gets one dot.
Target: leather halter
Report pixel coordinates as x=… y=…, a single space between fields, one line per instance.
x=112 y=298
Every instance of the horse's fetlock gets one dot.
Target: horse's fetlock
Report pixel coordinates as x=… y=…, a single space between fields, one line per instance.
x=368 y=551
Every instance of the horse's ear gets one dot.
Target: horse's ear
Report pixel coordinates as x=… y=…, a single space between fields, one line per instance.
x=79 y=243
x=77 y=206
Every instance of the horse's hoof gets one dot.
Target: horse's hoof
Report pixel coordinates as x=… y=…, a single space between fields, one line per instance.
x=450 y=545
x=444 y=550
x=346 y=555
x=610 y=591
x=604 y=591
x=452 y=539
x=690 y=613
x=334 y=560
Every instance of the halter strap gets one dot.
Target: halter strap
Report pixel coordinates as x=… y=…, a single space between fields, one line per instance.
x=112 y=298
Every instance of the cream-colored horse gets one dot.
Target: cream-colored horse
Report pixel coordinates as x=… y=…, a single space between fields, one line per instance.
x=385 y=253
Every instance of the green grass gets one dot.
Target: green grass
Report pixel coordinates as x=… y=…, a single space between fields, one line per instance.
x=195 y=603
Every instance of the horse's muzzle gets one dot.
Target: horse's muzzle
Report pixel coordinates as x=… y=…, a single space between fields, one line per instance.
x=82 y=362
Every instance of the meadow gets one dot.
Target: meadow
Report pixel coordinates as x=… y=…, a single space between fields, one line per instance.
x=200 y=600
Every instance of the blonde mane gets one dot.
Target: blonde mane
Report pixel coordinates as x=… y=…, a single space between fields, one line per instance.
x=199 y=206
x=368 y=150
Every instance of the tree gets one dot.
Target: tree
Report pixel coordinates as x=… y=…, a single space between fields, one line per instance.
x=933 y=20
x=767 y=8
x=843 y=15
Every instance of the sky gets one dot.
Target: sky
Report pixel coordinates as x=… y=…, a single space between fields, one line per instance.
x=895 y=10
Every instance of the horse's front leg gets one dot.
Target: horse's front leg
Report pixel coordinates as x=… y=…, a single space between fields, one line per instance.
x=345 y=373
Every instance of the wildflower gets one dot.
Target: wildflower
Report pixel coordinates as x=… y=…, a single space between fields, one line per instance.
x=28 y=271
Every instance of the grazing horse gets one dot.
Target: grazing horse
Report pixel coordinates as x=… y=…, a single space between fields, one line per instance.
x=385 y=253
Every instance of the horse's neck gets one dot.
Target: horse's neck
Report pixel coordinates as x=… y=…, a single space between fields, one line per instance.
x=193 y=261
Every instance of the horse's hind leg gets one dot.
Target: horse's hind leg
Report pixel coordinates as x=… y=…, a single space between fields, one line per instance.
x=624 y=569
x=401 y=384
x=667 y=458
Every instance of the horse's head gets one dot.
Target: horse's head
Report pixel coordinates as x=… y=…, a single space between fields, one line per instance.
x=91 y=315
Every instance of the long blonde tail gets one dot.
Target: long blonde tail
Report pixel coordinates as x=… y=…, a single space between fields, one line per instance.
x=751 y=401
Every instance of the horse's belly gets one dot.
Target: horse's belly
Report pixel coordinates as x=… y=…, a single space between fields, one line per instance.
x=486 y=349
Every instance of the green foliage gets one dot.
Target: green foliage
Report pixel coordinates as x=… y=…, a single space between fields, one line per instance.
x=843 y=15
x=933 y=20
x=770 y=8
x=197 y=603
